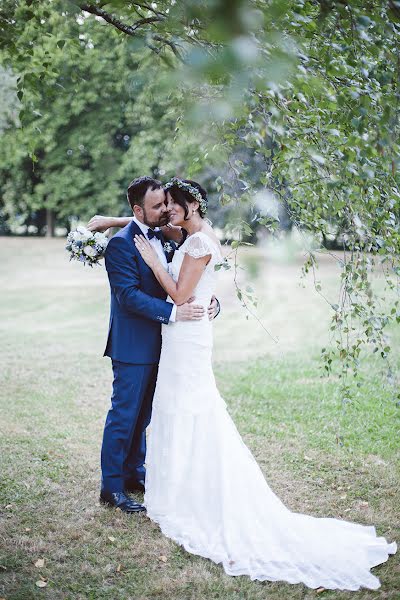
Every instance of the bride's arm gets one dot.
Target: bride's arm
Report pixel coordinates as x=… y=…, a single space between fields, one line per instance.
x=189 y=276
x=171 y=232
x=101 y=223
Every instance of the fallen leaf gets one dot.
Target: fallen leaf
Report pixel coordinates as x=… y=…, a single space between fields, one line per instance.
x=8 y=506
x=343 y=496
x=320 y=590
x=119 y=569
x=307 y=457
x=163 y=558
x=41 y=583
x=111 y=538
x=39 y=563
x=28 y=529
x=364 y=504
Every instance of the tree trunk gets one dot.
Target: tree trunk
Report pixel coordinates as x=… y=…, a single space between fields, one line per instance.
x=50 y=223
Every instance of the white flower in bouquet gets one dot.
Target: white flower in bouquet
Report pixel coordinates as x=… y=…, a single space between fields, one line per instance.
x=90 y=251
x=78 y=237
x=82 y=234
x=86 y=246
x=101 y=239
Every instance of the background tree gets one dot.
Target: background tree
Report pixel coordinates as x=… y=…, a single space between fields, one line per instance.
x=302 y=96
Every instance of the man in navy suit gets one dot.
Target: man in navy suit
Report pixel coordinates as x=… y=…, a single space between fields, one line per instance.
x=138 y=308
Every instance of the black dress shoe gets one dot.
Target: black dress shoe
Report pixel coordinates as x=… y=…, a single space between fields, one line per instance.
x=121 y=501
x=134 y=486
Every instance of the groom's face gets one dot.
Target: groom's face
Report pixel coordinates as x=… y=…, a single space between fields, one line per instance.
x=154 y=211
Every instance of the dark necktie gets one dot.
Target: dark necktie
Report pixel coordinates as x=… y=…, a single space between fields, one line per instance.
x=151 y=233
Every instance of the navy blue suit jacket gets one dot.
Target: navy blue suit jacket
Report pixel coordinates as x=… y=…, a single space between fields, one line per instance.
x=138 y=305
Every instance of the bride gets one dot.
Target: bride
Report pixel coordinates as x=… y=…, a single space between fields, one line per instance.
x=196 y=456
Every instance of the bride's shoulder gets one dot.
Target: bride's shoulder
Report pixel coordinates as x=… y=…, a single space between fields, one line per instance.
x=206 y=239
x=209 y=232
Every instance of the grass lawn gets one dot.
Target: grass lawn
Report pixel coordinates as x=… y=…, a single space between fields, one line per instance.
x=318 y=457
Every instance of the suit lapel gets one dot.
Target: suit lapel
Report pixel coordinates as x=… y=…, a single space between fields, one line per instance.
x=162 y=240
x=134 y=230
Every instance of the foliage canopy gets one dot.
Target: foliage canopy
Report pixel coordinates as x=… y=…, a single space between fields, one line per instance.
x=292 y=104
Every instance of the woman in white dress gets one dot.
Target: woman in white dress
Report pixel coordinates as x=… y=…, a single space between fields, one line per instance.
x=195 y=454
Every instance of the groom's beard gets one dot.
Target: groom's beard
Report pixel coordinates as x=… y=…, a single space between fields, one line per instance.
x=163 y=220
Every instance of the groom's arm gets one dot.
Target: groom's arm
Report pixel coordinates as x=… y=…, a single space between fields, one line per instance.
x=122 y=269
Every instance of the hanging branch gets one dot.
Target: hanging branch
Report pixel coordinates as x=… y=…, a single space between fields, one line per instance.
x=131 y=30
x=117 y=23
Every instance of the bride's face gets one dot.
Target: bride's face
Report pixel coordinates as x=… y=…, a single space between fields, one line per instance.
x=175 y=211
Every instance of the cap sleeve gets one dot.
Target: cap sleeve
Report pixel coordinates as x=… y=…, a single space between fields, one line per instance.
x=197 y=246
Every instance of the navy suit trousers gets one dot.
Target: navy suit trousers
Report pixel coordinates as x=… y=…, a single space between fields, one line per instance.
x=124 y=439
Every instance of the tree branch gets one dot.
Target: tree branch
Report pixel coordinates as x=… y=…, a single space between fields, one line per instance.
x=172 y=45
x=117 y=23
x=132 y=29
x=145 y=6
x=146 y=21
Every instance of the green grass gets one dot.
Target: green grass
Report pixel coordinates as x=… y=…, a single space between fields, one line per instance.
x=319 y=457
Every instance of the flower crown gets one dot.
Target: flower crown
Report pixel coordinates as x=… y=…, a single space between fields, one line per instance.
x=188 y=188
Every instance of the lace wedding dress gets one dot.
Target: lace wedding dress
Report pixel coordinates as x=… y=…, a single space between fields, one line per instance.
x=196 y=458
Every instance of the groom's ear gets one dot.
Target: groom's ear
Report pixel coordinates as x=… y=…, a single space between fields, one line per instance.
x=138 y=211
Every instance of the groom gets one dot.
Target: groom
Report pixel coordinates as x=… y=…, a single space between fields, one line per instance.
x=138 y=308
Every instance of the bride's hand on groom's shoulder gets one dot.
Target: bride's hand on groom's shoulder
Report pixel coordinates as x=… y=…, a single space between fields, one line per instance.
x=146 y=250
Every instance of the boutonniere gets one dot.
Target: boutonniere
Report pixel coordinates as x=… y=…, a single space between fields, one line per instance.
x=167 y=248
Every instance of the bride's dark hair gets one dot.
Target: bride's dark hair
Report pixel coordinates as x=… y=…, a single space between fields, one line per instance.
x=184 y=197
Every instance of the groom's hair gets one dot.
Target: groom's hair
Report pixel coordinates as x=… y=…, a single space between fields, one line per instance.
x=138 y=187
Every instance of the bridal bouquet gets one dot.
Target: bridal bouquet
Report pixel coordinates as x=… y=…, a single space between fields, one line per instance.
x=86 y=246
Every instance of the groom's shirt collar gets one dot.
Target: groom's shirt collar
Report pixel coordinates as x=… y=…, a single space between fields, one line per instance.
x=143 y=227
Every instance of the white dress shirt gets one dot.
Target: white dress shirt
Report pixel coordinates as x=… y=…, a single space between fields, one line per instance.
x=157 y=245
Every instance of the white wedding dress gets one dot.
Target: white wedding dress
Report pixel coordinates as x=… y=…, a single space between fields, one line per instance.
x=205 y=489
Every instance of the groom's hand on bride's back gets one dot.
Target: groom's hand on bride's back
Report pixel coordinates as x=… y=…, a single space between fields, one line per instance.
x=214 y=308
x=189 y=311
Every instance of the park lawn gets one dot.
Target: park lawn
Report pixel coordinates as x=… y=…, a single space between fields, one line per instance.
x=319 y=457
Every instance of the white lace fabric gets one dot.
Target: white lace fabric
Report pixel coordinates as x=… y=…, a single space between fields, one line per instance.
x=197 y=245
x=196 y=457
